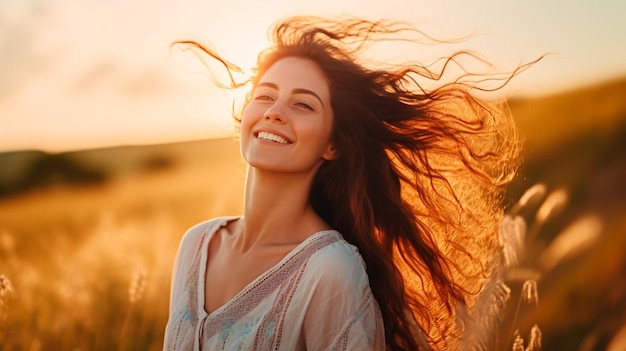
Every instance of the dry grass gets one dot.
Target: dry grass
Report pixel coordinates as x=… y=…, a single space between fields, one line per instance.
x=89 y=268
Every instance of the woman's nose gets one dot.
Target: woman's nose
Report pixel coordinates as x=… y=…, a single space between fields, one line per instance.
x=275 y=113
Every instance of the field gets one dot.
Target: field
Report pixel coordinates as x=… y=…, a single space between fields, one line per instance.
x=90 y=265
x=87 y=239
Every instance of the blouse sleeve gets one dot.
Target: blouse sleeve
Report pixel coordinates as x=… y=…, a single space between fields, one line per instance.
x=342 y=313
x=182 y=261
x=187 y=251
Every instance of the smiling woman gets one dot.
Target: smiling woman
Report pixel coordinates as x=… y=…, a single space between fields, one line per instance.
x=371 y=208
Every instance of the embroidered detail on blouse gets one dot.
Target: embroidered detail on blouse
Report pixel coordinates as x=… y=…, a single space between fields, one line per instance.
x=249 y=298
x=342 y=343
x=272 y=325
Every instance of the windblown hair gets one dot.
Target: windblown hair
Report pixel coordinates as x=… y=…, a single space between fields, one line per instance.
x=418 y=183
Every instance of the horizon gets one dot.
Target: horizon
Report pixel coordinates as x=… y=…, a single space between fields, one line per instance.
x=230 y=134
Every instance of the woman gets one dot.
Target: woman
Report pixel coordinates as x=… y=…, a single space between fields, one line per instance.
x=371 y=205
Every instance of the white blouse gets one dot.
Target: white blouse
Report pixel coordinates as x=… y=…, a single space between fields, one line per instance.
x=316 y=298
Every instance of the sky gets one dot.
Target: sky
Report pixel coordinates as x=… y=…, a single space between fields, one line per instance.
x=79 y=74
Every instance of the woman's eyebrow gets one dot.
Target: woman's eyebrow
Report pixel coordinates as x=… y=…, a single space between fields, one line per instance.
x=309 y=92
x=295 y=91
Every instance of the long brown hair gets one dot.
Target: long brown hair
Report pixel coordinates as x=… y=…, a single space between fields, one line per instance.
x=418 y=182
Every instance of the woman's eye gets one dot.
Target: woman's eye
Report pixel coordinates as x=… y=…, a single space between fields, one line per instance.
x=263 y=97
x=305 y=106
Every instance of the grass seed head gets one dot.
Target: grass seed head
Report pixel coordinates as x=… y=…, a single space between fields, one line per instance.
x=534 y=339
x=529 y=292
x=518 y=342
x=137 y=285
x=6 y=288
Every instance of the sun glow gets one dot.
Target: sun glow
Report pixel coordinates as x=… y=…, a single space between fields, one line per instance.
x=244 y=52
x=226 y=87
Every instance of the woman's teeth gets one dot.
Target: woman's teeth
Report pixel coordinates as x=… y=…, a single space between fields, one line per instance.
x=272 y=137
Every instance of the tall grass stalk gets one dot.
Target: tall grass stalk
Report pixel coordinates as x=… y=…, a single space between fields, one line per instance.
x=135 y=292
x=484 y=331
x=6 y=290
x=528 y=296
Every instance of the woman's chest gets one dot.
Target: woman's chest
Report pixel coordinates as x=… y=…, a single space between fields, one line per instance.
x=228 y=273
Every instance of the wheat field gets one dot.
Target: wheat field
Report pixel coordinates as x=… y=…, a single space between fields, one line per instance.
x=86 y=266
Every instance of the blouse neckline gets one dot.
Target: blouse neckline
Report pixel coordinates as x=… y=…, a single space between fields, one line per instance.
x=208 y=236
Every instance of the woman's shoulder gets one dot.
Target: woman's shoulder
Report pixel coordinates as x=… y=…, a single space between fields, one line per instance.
x=339 y=261
x=337 y=272
x=339 y=250
x=194 y=235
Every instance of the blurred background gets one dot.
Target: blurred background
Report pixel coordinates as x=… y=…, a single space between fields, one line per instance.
x=112 y=144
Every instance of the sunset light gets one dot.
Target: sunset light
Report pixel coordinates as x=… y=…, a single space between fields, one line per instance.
x=83 y=74
x=502 y=209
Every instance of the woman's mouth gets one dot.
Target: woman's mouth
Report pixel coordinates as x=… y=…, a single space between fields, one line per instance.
x=272 y=137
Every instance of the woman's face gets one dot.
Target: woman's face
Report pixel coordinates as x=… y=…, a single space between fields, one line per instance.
x=287 y=124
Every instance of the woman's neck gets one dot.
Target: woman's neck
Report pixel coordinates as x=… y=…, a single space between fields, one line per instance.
x=277 y=209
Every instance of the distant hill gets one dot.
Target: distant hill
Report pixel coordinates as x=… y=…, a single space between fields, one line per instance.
x=551 y=122
x=26 y=170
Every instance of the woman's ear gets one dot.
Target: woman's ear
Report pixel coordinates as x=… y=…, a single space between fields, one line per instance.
x=330 y=153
